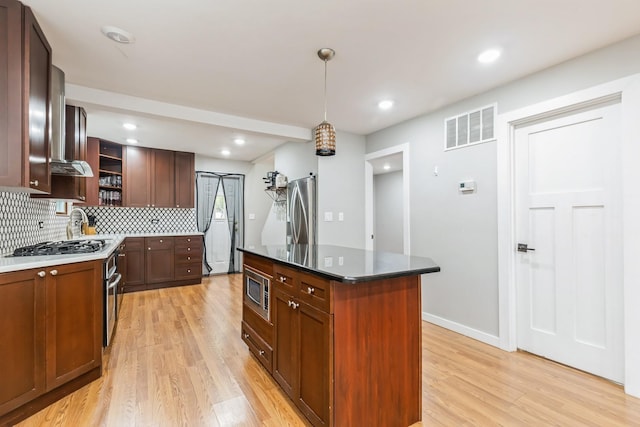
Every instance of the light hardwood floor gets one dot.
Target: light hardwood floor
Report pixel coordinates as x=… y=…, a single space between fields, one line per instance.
x=177 y=360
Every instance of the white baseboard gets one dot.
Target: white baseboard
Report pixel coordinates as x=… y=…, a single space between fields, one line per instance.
x=462 y=329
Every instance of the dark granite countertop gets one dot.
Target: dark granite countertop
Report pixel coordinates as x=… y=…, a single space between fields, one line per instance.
x=346 y=265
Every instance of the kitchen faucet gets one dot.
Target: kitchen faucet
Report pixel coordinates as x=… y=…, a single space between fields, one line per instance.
x=84 y=220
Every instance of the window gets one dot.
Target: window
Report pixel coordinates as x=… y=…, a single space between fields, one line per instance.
x=219 y=206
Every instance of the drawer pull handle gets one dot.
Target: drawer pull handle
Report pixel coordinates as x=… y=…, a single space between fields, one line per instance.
x=283 y=279
x=188 y=249
x=311 y=290
x=188 y=271
x=160 y=240
x=54 y=272
x=289 y=303
x=34 y=183
x=149 y=248
x=188 y=240
x=41 y=274
x=246 y=336
x=188 y=258
x=261 y=352
x=294 y=305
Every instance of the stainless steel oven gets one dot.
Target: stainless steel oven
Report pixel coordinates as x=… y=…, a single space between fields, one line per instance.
x=111 y=280
x=256 y=292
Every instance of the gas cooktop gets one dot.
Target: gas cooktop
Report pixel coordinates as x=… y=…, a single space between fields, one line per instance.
x=64 y=247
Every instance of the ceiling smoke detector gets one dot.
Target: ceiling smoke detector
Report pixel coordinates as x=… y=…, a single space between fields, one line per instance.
x=118 y=34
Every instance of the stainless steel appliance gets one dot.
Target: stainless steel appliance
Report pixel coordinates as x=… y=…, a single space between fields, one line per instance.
x=63 y=247
x=301 y=211
x=111 y=281
x=256 y=292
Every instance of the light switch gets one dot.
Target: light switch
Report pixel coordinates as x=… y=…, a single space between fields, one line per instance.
x=340 y=216
x=328 y=261
x=252 y=216
x=328 y=216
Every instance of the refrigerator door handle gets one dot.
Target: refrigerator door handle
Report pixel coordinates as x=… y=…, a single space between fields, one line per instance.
x=294 y=218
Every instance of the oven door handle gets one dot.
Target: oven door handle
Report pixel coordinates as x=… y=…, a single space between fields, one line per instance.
x=114 y=283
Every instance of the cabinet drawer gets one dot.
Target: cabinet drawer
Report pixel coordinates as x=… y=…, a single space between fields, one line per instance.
x=154 y=243
x=285 y=278
x=188 y=258
x=258 y=263
x=193 y=248
x=188 y=271
x=188 y=240
x=257 y=346
x=314 y=291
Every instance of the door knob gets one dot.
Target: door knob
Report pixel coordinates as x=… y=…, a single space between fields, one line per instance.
x=523 y=247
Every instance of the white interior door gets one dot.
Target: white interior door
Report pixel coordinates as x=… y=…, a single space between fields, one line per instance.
x=568 y=200
x=218 y=238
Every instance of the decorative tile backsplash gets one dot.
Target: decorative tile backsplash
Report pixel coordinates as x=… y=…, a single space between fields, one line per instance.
x=25 y=221
x=111 y=220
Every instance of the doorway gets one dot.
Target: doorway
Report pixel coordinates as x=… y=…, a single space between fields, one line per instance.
x=568 y=212
x=220 y=216
x=387 y=224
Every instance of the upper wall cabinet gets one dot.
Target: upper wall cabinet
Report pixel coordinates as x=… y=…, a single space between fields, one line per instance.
x=137 y=177
x=25 y=80
x=185 y=175
x=70 y=187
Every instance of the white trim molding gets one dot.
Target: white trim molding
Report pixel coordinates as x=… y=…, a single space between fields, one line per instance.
x=368 y=197
x=627 y=92
x=462 y=329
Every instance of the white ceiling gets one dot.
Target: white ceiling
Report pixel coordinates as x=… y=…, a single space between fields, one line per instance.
x=248 y=67
x=392 y=161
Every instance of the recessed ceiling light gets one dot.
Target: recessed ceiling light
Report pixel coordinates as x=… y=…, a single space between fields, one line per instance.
x=386 y=167
x=129 y=126
x=117 y=34
x=385 y=104
x=225 y=152
x=132 y=140
x=239 y=141
x=489 y=56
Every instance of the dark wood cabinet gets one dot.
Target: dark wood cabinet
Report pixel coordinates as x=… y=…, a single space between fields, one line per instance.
x=162 y=179
x=92 y=183
x=22 y=324
x=137 y=177
x=134 y=268
x=51 y=325
x=185 y=177
x=26 y=100
x=159 y=260
x=302 y=358
x=163 y=261
x=70 y=187
x=188 y=257
x=74 y=340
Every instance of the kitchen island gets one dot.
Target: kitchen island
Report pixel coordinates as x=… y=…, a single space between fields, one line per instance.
x=339 y=329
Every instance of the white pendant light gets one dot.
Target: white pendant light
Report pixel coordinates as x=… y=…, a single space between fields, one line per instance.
x=325 y=134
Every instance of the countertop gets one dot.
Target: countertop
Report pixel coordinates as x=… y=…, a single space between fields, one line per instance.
x=9 y=264
x=347 y=265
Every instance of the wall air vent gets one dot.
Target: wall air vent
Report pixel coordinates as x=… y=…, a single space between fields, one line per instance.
x=474 y=127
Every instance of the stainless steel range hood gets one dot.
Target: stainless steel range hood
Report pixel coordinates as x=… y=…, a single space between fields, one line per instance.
x=60 y=164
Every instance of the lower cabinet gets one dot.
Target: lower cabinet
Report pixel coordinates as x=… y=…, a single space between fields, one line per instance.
x=296 y=345
x=163 y=261
x=302 y=355
x=51 y=335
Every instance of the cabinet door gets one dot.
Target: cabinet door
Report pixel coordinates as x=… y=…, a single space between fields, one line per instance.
x=137 y=164
x=162 y=179
x=22 y=324
x=74 y=313
x=285 y=357
x=135 y=264
x=37 y=66
x=91 y=183
x=315 y=359
x=185 y=176
x=11 y=78
x=159 y=259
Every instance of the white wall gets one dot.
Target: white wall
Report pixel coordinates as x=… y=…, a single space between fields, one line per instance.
x=211 y=164
x=387 y=194
x=341 y=189
x=460 y=231
x=296 y=160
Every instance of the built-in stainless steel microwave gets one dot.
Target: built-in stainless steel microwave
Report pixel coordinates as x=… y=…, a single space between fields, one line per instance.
x=256 y=292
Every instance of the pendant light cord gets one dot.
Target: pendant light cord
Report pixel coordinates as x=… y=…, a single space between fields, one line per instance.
x=325 y=90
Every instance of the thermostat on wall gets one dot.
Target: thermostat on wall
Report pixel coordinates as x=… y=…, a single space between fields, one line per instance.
x=467 y=187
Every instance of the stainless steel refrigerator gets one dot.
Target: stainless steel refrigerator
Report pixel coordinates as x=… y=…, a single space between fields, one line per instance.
x=301 y=211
